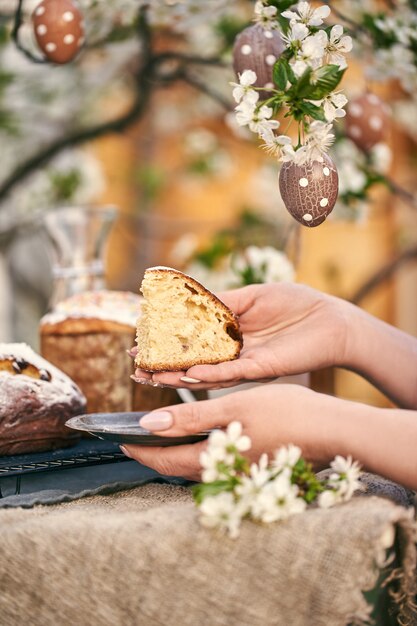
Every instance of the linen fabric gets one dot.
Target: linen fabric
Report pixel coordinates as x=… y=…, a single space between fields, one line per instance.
x=140 y=557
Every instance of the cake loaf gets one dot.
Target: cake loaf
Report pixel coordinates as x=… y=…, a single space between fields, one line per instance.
x=36 y=399
x=87 y=336
x=183 y=324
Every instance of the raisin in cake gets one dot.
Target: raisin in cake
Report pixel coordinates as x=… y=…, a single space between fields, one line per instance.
x=183 y=324
x=36 y=399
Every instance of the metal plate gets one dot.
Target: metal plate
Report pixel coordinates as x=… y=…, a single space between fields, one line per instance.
x=124 y=428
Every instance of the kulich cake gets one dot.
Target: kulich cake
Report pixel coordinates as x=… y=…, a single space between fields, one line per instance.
x=183 y=324
x=87 y=336
x=36 y=399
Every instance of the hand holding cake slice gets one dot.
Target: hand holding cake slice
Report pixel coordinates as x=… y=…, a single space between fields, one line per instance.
x=183 y=324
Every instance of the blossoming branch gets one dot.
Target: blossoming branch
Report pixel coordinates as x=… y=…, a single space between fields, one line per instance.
x=232 y=489
x=308 y=60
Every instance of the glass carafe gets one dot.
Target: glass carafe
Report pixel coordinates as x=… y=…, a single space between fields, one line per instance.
x=78 y=237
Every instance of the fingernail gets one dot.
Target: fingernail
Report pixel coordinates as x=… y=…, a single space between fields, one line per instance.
x=125 y=452
x=142 y=381
x=158 y=420
x=131 y=353
x=188 y=379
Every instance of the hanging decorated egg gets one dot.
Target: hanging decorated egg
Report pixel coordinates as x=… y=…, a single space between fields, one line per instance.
x=366 y=121
x=257 y=49
x=59 y=29
x=309 y=191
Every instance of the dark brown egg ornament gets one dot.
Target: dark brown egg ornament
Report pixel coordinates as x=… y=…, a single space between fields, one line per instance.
x=257 y=49
x=309 y=191
x=367 y=121
x=59 y=29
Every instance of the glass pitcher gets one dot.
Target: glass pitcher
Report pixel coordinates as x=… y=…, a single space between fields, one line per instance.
x=78 y=237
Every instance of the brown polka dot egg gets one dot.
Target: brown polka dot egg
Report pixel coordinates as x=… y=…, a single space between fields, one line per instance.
x=367 y=121
x=59 y=29
x=309 y=191
x=257 y=49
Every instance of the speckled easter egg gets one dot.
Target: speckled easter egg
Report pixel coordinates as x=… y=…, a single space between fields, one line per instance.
x=59 y=29
x=257 y=49
x=367 y=121
x=309 y=191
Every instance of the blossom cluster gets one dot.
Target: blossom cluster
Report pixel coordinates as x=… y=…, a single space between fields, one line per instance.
x=358 y=173
x=232 y=489
x=305 y=75
x=251 y=265
x=392 y=36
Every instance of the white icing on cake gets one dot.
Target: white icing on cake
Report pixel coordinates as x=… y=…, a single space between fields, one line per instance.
x=114 y=306
x=59 y=383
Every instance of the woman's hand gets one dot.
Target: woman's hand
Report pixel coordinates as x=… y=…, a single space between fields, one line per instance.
x=287 y=329
x=382 y=440
x=271 y=416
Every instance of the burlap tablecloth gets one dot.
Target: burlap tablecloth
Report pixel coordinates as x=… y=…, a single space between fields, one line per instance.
x=140 y=557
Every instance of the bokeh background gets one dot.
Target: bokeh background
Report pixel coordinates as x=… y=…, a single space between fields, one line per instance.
x=142 y=120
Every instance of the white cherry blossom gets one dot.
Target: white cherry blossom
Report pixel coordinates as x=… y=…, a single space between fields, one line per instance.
x=265 y=15
x=313 y=47
x=222 y=511
x=286 y=456
x=245 y=112
x=319 y=139
x=243 y=89
x=333 y=106
x=299 y=156
x=268 y=264
x=337 y=46
x=296 y=34
x=306 y=14
x=261 y=121
x=278 y=500
x=327 y=499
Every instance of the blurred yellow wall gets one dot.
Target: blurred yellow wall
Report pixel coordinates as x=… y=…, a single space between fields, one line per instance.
x=336 y=257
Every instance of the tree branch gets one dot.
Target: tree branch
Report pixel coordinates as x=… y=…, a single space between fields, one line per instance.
x=18 y=21
x=384 y=273
x=204 y=88
x=404 y=194
x=147 y=78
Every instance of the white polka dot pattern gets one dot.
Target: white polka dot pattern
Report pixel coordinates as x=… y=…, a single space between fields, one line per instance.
x=258 y=49
x=58 y=29
x=366 y=121
x=308 y=193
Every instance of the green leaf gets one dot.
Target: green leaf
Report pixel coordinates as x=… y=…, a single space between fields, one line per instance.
x=291 y=76
x=302 y=88
x=280 y=74
x=327 y=79
x=313 y=111
x=203 y=490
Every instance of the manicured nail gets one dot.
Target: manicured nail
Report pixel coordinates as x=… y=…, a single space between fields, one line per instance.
x=158 y=420
x=142 y=381
x=188 y=379
x=125 y=452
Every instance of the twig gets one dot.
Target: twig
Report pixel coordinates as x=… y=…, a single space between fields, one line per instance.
x=406 y=195
x=354 y=26
x=18 y=21
x=147 y=77
x=201 y=86
x=384 y=273
x=191 y=59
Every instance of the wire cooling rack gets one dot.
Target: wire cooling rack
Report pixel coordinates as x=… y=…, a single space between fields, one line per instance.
x=86 y=452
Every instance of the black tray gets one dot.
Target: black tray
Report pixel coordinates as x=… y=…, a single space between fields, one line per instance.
x=86 y=452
